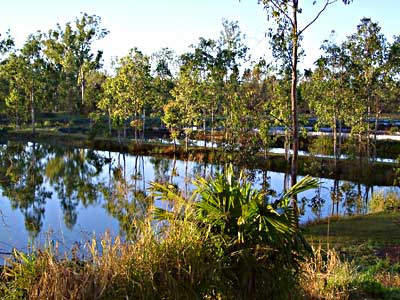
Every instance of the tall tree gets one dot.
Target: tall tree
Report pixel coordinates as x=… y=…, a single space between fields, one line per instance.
x=128 y=91
x=69 y=49
x=163 y=81
x=369 y=51
x=33 y=73
x=286 y=12
x=328 y=90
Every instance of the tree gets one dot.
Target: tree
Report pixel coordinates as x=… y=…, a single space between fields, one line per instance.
x=369 y=52
x=188 y=95
x=163 y=81
x=329 y=93
x=13 y=73
x=126 y=94
x=6 y=44
x=285 y=12
x=33 y=73
x=69 y=49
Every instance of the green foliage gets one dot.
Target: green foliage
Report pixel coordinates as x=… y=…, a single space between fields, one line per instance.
x=389 y=201
x=255 y=238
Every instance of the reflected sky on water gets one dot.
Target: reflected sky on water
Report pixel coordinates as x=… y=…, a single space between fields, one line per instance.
x=68 y=196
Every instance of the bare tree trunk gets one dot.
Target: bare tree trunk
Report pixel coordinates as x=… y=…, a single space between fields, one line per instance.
x=17 y=119
x=293 y=98
x=340 y=139
x=32 y=112
x=335 y=152
x=83 y=91
x=368 y=133
x=377 y=116
x=109 y=123
x=204 y=130
x=212 y=125
x=144 y=122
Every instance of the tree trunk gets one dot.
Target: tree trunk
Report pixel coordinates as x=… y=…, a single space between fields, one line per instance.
x=293 y=99
x=335 y=138
x=144 y=122
x=32 y=112
x=340 y=139
x=109 y=123
x=83 y=91
x=212 y=125
x=377 y=116
x=204 y=130
x=368 y=132
x=16 y=119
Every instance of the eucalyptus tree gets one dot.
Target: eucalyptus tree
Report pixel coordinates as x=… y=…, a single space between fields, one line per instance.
x=6 y=47
x=203 y=61
x=393 y=63
x=163 y=80
x=69 y=49
x=279 y=106
x=34 y=80
x=7 y=44
x=108 y=101
x=173 y=119
x=126 y=93
x=329 y=92
x=13 y=74
x=134 y=86
x=369 y=51
x=255 y=102
x=94 y=90
x=231 y=54
x=285 y=13
x=188 y=94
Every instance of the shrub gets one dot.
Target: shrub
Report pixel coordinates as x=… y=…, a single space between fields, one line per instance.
x=258 y=240
x=385 y=201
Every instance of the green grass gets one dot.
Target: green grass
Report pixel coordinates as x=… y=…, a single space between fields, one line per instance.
x=354 y=253
x=380 y=229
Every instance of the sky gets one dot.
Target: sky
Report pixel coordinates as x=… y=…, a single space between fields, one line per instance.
x=177 y=24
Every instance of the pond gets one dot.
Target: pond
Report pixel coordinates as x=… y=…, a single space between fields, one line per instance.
x=70 y=195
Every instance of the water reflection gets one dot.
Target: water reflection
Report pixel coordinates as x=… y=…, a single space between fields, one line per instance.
x=71 y=173
x=74 y=192
x=21 y=180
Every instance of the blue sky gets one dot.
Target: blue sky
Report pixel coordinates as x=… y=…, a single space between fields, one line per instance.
x=151 y=25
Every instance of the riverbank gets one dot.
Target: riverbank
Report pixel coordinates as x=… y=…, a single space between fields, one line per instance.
x=355 y=170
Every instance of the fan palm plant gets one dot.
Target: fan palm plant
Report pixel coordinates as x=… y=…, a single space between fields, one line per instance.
x=258 y=240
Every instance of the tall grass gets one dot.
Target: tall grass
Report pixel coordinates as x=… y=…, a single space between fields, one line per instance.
x=326 y=276
x=177 y=266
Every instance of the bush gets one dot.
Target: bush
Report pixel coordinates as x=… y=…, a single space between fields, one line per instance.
x=385 y=201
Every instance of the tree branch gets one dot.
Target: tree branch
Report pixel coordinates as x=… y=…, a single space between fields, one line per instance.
x=328 y=2
x=281 y=10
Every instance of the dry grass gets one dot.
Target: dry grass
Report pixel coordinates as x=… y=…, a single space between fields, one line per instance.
x=172 y=267
x=325 y=276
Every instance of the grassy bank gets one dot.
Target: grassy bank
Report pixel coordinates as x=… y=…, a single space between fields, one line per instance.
x=355 y=257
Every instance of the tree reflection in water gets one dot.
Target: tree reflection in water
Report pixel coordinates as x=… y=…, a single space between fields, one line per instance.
x=21 y=179
x=126 y=197
x=72 y=173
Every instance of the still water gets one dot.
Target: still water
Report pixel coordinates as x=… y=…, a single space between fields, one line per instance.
x=71 y=195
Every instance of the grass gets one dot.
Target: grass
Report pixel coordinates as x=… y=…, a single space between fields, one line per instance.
x=378 y=229
x=360 y=259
